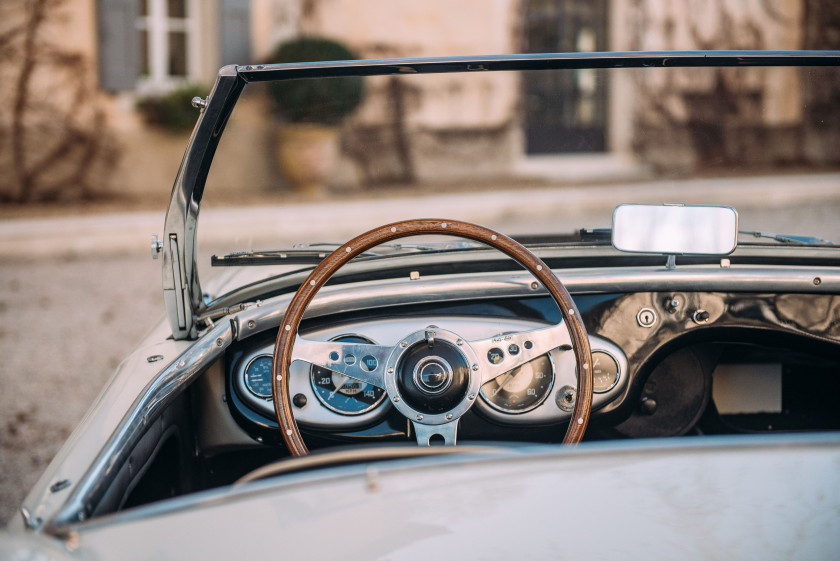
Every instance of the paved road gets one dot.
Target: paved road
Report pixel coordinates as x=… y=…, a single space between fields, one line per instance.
x=67 y=320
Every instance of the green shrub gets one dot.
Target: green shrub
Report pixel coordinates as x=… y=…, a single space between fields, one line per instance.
x=325 y=101
x=173 y=111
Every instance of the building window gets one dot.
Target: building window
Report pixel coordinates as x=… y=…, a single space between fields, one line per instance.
x=565 y=111
x=169 y=52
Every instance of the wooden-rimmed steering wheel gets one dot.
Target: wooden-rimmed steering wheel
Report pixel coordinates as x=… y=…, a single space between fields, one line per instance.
x=431 y=386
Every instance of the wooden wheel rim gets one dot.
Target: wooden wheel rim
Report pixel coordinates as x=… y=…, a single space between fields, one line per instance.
x=427 y=226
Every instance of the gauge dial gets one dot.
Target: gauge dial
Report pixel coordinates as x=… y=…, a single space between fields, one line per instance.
x=343 y=394
x=522 y=388
x=258 y=376
x=604 y=372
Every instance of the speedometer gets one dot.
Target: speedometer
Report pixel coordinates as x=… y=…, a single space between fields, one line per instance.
x=521 y=389
x=343 y=394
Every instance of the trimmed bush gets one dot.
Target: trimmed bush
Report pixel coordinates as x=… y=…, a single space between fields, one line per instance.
x=319 y=100
x=173 y=111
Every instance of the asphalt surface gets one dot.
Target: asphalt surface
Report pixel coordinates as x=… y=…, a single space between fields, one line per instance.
x=77 y=293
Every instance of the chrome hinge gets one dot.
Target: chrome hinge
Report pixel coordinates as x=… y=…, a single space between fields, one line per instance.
x=156 y=246
x=208 y=319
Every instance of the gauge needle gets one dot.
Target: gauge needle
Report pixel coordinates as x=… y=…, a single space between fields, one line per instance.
x=344 y=379
x=509 y=377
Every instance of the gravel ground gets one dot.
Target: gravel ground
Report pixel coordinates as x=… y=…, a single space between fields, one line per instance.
x=65 y=324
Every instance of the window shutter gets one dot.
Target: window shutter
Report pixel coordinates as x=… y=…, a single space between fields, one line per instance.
x=119 y=44
x=235 y=31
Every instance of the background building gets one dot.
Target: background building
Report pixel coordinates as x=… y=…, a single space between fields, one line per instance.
x=91 y=62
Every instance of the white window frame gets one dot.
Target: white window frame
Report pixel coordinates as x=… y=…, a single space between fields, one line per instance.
x=158 y=25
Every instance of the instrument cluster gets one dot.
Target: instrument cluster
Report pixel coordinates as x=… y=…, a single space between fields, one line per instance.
x=540 y=391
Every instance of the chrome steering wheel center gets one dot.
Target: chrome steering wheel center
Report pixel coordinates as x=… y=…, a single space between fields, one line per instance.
x=432 y=386
x=432 y=375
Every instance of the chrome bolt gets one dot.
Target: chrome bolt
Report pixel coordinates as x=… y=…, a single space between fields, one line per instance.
x=219 y=342
x=475 y=367
x=251 y=324
x=396 y=398
x=403 y=344
x=459 y=342
x=449 y=416
x=419 y=417
x=390 y=371
x=471 y=396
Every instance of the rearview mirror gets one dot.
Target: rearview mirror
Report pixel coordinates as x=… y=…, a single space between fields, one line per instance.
x=675 y=229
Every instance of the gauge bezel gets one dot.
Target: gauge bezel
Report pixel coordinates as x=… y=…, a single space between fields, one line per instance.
x=323 y=402
x=617 y=371
x=245 y=376
x=536 y=403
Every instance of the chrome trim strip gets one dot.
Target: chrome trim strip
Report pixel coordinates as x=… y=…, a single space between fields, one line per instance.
x=160 y=392
x=445 y=288
x=536 y=61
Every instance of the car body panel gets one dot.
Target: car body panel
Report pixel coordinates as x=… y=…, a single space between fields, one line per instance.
x=772 y=497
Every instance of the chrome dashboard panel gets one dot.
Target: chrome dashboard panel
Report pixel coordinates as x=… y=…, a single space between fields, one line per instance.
x=446 y=288
x=389 y=332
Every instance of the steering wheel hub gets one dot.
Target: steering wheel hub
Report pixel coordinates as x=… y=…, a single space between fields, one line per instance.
x=432 y=385
x=432 y=375
x=433 y=380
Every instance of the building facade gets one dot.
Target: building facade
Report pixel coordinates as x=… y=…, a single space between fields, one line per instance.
x=509 y=125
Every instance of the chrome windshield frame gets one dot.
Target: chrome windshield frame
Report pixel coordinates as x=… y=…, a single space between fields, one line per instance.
x=181 y=286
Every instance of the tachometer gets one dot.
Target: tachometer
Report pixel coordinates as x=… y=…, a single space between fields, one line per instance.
x=341 y=393
x=522 y=388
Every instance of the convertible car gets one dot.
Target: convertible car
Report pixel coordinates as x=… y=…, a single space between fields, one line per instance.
x=666 y=387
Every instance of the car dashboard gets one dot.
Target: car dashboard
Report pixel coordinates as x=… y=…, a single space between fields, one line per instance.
x=699 y=350
x=666 y=363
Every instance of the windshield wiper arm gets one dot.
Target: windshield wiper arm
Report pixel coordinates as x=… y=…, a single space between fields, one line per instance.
x=310 y=254
x=787 y=238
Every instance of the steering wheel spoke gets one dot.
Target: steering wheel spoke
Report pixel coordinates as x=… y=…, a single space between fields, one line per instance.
x=425 y=433
x=502 y=353
x=361 y=361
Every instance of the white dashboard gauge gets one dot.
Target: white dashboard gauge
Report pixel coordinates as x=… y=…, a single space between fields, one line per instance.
x=521 y=389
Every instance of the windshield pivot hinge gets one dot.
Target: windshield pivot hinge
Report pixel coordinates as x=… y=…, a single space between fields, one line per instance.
x=208 y=319
x=156 y=246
